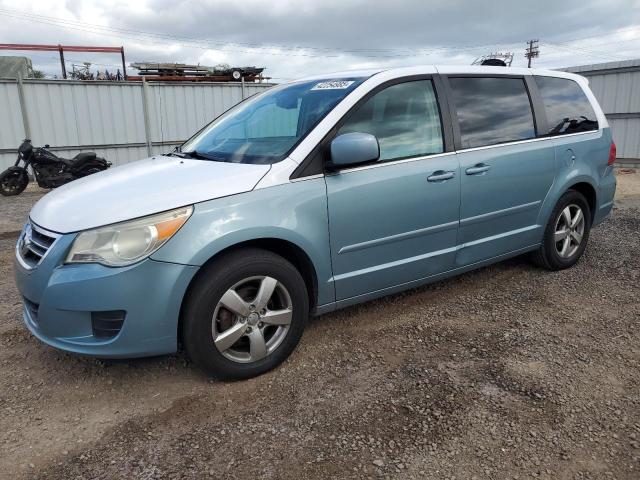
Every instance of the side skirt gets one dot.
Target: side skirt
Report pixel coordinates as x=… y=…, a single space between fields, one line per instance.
x=347 y=302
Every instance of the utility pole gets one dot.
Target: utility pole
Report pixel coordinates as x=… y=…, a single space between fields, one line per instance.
x=64 y=68
x=532 y=51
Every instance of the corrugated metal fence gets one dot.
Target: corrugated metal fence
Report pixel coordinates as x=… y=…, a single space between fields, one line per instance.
x=121 y=121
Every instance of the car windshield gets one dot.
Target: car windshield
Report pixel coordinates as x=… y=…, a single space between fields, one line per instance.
x=264 y=128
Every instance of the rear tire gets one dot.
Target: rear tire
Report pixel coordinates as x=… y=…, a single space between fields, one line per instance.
x=245 y=314
x=91 y=169
x=13 y=182
x=566 y=233
x=88 y=171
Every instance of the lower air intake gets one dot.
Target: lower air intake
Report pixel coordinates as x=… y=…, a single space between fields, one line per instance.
x=107 y=324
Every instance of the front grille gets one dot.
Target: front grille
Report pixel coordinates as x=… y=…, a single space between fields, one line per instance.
x=33 y=245
x=107 y=324
x=32 y=308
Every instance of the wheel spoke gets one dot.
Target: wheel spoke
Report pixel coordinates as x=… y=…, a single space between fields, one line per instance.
x=235 y=303
x=267 y=286
x=560 y=235
x=566 y=213
x=278 y=317
x=565 y=246
x=230 y=336
x=257 y=345
x=577 y=236
x=577 y=218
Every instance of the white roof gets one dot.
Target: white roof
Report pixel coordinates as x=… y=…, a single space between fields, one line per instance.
x=447 y=70
x=342 y=74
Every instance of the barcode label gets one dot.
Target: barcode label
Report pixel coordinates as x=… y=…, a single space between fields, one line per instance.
x=333 y=85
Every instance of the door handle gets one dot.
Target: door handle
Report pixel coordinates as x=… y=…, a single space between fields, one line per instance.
x=478 y=169
x=440 y=176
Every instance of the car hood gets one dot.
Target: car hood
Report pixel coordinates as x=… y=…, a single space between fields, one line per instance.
x=141 y=188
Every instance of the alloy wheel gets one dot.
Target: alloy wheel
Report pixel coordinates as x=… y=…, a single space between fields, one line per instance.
x=252 y=319
x=569 y=231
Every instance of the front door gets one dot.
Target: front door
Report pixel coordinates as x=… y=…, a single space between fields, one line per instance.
x=395 y=221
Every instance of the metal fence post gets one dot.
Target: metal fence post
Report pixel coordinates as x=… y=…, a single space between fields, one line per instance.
x=145 y=111
x=23 y=108
x=242 y=84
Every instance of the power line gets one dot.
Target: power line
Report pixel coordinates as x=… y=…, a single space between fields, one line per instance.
x=106 y=31
x=263 y=49
x=570 y=45
x=635 y=39
x=208 y=42
x=291 y=50
x=592 y=53
x=200 y=43
x=222 y=46
x=579 y=39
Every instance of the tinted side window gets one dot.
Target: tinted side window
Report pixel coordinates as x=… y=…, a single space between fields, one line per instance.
x=567 y=107
x=404 y=118
x=492 y=110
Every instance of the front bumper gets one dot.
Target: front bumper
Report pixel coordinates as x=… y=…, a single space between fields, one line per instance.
x=59 y=300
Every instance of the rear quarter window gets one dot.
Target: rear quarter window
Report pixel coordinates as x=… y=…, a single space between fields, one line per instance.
x=567 y=107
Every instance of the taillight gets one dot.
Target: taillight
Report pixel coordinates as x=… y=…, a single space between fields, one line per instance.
x=612 y=154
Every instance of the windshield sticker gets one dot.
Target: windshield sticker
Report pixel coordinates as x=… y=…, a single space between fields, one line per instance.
x=333 y=85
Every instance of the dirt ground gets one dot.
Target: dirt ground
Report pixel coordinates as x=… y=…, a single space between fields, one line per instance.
x=506 y=372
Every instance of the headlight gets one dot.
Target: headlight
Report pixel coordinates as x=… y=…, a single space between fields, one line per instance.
x=128 y=242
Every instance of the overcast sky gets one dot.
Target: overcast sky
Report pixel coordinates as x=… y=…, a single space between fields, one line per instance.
x=297 y=38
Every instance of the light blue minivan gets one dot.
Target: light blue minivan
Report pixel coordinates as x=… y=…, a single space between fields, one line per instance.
x=312 y=196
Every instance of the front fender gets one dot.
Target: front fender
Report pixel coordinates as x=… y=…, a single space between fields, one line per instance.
x=15 y=169
x=295 y=212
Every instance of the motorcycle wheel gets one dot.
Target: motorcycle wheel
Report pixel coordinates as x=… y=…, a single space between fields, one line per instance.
x=88 y=171
x=13 y=182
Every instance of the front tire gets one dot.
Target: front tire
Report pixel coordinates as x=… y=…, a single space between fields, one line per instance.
x=245 y=314
x=566 y=233
x=13 y=182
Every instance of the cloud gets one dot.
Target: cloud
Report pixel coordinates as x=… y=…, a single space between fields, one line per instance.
x=294 y=38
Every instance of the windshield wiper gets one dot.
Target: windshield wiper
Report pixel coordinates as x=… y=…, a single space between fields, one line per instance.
x=177 y=154
x=203 y=156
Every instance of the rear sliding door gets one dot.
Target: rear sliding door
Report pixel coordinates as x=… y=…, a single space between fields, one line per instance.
x=505 y=169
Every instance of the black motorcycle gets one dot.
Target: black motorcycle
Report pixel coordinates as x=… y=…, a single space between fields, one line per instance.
x=49 y=170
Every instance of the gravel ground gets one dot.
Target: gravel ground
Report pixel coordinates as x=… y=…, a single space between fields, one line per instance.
x=15 y=210
x=506 y=372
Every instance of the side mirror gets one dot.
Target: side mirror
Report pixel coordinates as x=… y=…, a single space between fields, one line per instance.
x=351 y=149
